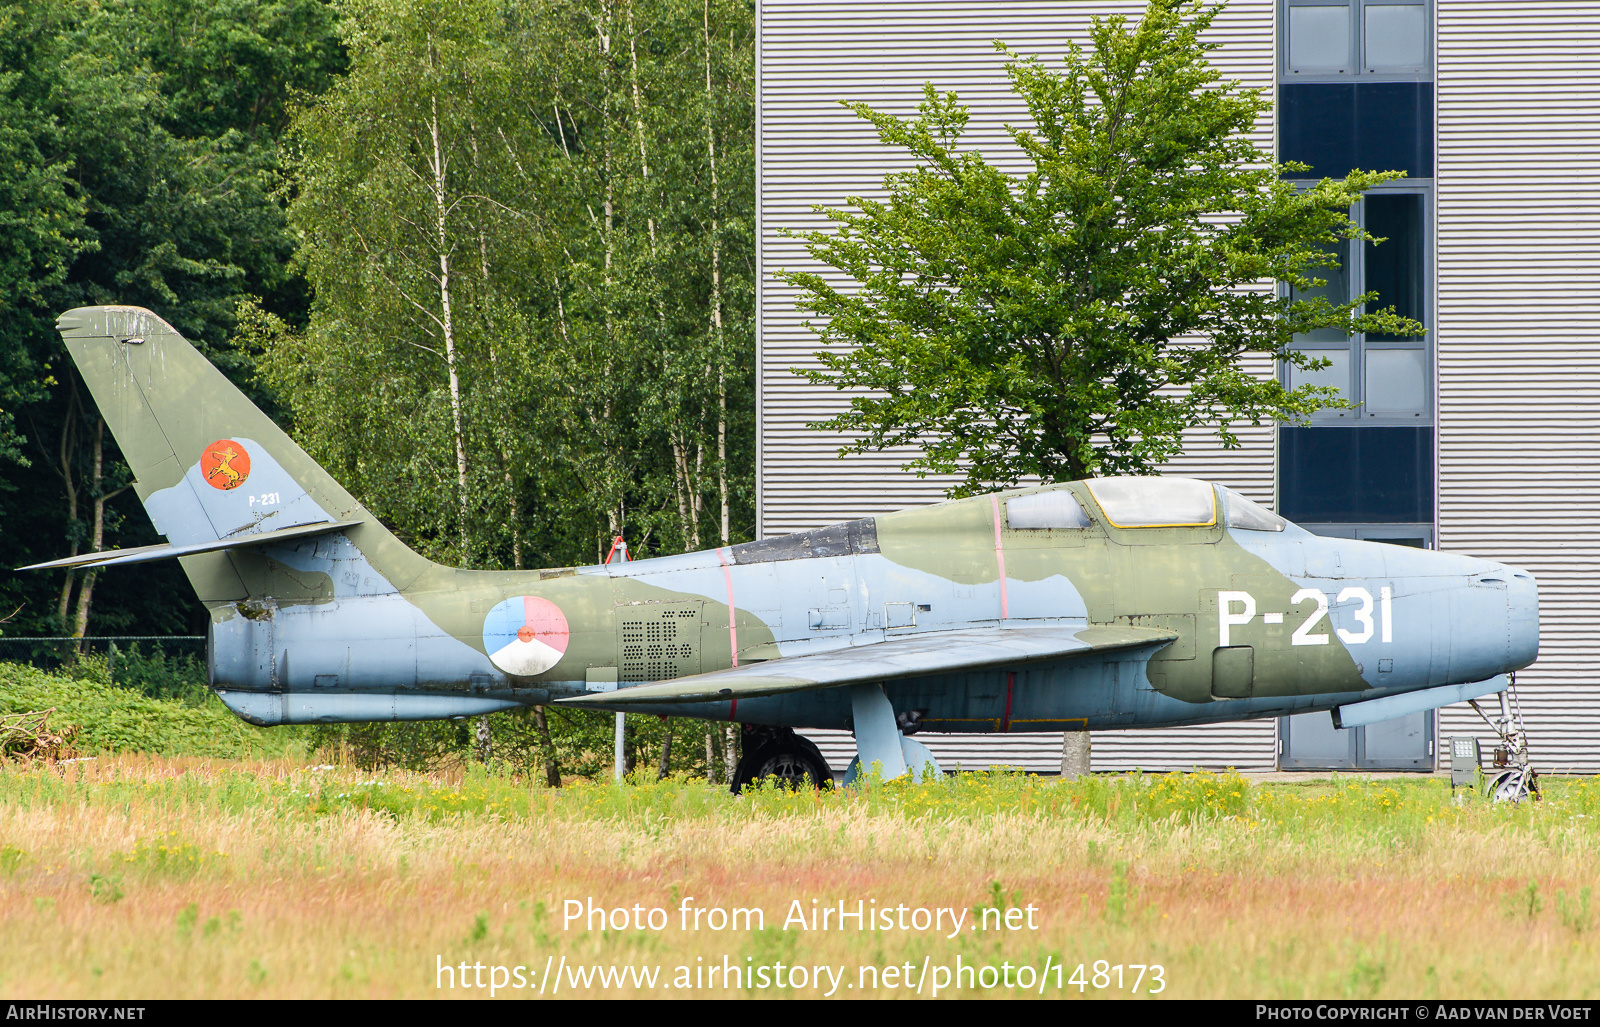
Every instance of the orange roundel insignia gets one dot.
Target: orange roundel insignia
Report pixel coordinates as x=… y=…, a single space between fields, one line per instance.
x=225 y=464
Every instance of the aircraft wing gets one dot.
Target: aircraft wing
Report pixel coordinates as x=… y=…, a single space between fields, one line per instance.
x=919 y=655
x=144 y=554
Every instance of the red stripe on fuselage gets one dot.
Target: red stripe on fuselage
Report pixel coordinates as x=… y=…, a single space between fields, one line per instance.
x=733 y=630
x=1000 y=558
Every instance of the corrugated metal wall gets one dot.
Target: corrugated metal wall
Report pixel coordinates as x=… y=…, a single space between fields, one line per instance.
x=1519 y=335
x=812 y=151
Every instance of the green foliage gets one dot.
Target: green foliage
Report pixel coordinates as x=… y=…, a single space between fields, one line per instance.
x=1525 y=903
x=115 y=719
x=1366 y=976
x=152 y=671
x=236 y=65
x=41 y=214
x=528 y=227
x=1312 y=812
x=597 y=165
x=1574 y=911
x=165 y=856
x=139 y=163
x=583 y=743
x=1077 y=318
x=105 y=888
x=422 y=746
x=1119 y=895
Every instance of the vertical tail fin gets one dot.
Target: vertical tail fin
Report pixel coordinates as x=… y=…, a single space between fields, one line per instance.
x=208 y=463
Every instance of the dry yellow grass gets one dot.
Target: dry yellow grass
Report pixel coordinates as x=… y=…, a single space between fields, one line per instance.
x=135 y=877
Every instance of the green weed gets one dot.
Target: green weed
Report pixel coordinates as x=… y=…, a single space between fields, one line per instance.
x=1523 y=904
x=168 y=857
x=106 y=889
x=1119 y=896
x=1366 y=976
x=1574 y=913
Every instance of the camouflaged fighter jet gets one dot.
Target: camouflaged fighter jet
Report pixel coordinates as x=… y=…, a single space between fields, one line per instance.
x=1107 y=603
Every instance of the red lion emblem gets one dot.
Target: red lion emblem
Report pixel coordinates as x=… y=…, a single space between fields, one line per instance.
x=225 y=464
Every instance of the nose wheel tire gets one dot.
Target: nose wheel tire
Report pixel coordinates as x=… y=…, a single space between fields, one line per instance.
x=1512 y=786
x=793 y=763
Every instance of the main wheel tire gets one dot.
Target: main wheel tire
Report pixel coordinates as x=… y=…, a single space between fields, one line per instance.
x=793 y=762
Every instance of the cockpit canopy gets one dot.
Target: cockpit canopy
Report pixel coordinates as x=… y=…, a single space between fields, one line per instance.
x=1143 y=502
x=1057 y=508
x=1239 y=512
x=1155 y=502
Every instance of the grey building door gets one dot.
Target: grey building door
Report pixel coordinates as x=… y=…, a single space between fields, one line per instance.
x=1310 y=742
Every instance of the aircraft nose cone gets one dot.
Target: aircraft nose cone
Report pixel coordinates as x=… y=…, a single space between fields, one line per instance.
x=1522 y=608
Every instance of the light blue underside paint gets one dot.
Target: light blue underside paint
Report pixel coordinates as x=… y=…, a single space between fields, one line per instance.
x=1389 y=707
x=877 y=736
x=369 y=637
x=919 y=761
x=194 y=511
x=385 y=655
x=269 y=708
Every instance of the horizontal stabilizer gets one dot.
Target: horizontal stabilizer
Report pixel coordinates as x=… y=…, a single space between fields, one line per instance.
x=144 y=554
x=920 y=655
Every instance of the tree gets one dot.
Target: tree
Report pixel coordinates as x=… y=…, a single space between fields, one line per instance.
x=1076 y=319
x=138 y=164
x=545 y=207
x=41 y=216
x=527 y=228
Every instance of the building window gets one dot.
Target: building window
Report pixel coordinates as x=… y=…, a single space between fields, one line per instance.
x=1356 y=37
x=1319 y=38
x=1394 y=37
x=1388 y=377
x=1417 y=536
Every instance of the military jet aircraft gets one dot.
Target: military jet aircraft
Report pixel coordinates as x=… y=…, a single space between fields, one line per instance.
x=1106 y=603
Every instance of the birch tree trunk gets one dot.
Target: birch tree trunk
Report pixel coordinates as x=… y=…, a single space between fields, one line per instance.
x=666 y=753
x=439 y=166
x=731 y=734
x=67 y=479
x=497 y=396
x=638 y=128
x=80 y=625
x=485 y=741
x=717 y=348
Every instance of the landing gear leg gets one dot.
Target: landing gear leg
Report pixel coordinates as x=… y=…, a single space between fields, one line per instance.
x=1515 y=779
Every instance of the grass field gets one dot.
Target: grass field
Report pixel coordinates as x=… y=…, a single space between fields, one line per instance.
x=139 y=876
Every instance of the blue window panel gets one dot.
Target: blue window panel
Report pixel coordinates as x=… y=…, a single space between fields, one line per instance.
x=1357 y=473
x=1338 y=126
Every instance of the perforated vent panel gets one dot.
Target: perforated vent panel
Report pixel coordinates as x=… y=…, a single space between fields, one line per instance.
x=658 y=642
